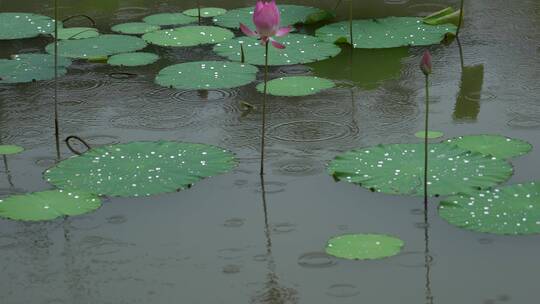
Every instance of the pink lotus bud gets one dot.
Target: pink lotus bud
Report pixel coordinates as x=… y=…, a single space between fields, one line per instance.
x=425 y=64
x=266 y=18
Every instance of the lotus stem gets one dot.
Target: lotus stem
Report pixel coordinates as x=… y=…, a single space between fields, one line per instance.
x=426 y=152
x=56 y=123
x=351 y=23
x=199 y=10
x=337 y=5
x=68 y=144
x=461 y=58
x=263 y=128
x=460 y=17
x=242 y=54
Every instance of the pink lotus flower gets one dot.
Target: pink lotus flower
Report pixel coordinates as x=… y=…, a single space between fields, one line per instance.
x=425 y=64
x=266 y=19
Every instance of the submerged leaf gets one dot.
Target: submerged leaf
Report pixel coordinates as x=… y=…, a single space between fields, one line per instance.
x=507 y=210
x=298 y=49
x=205 y=12
x=399 y=169
x=10 y=149
x=140 y=168
x=24 y=25
x=296 y=86
x=364 y=246
x=189 y=36
x=48 y=205
x=133 y=59
x=387 y=32
x=101 y=46
x=135 y=28
x=495 y=145
x=430 y=134
x=76 y=33
x=31 y=67
x=207 y=75
x=166 y=19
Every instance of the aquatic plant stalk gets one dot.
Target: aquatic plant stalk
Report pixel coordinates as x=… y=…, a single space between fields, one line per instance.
x=263 y=127
x=426 y=146
x=460 y=17
x=199 y=10
x=56 y=123
x=351 y=23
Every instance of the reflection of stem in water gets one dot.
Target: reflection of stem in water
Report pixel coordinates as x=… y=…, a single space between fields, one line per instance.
x=467 y=106
x=461 y=59
x=56 y=126
x=460 y=17
x=426 y=146
x=263 y=127
x=351 y=23
x=428 y=259
x=8 y=173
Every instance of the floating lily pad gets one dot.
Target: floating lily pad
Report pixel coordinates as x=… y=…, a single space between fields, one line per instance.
x=101 y=46
x=430 y=134
x=24 y=25
x=133 y=59
x=205 y=12
x=290 y=15
x=189 y=36
x=76 y=33
x=387 y=32
x=207 y=75
x=399 y=169
x=495 y=145
x=140 y=168
x=10 y=149
x=299 y=49
x=364 y=246
x=47 y=205
x=445 y=16
x=30 y=67
x=166 y=19
x=507 y=210
x=296 y=86
x=135 y=28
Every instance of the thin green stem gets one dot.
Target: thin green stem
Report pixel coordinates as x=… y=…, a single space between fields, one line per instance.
x=263 y=127
x=426 y=146
x=460 y=17
x=56 y=123
x=351 y=23
x=199 y=10
x=461 y=58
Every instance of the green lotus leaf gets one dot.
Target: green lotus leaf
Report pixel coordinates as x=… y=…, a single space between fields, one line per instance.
x=48 y=205
x=205 y=12
x=445 y=16
x=133 y=59
x=10 y=149
x=189 y=36
x=24 y=25
x=512 y=209
x=290 y=15
x=76 y=33
x=207 y=75
x=363 y=246
x=140 y=168
x=30 y=67
x=101 y=46
x=166 y=19
x=135 y=28
x=495 y=145
x=430 y=134
x=296 y=86
x=387 y=32
x=399 y=169
x=299 y=49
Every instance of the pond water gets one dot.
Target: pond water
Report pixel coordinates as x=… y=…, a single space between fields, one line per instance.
x=217 y=242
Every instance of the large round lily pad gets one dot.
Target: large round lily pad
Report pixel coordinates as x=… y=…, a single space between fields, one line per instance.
x=133 y=59
x=205 y=12
x=364 y=246
x=140 y=168
x=24 y=25
x=386 y=32
x=189 y=36
x=30 y=67
x=167 y=19
x=399 y=169
x=296 y=86
x=101 y=46
x=207 y=75
x=135 y=28
x=495 y=145
x=507 y=210
x=299 y=49
x=76 y=33
x=48 y=205
x=10 y=149
x=290 y=15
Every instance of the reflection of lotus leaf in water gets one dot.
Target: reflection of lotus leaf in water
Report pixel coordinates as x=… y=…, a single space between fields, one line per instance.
x=24 y=25
x=31 y=67
x=66 y=33
x=135 y=28
x=399 y=169
x=494 y=145
x=511 y=209
x=166 y=19
x=100 y=46
x=189 y=36
x=133 y=59
x=363 y=246
x=468 y=100
x=365 y=67
x=299 y=49
x=10 y=149
x=140 y=168
x=296 y=86
x=387 y=32
x=205 y=12
x=48 y=205
x=290 y=15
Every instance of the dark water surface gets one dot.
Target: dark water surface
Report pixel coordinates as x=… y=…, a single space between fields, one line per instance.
x=210 y=244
